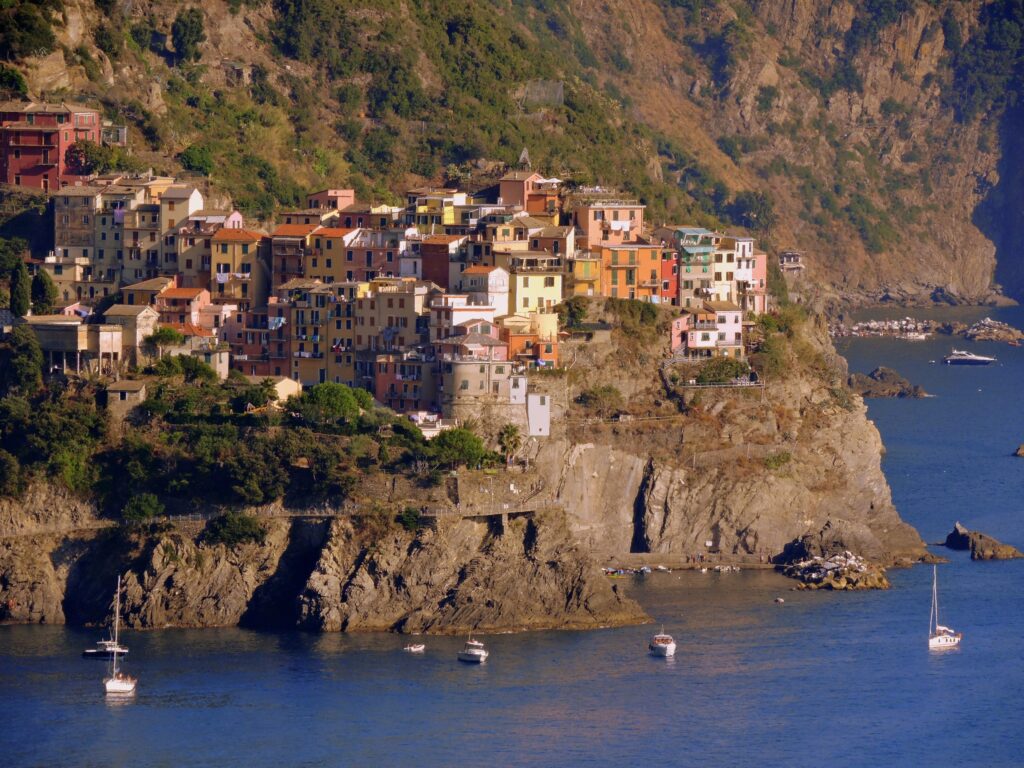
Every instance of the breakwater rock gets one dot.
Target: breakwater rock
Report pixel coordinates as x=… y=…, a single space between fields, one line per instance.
x=843 y=571
x=981 y=546
x=884 y=382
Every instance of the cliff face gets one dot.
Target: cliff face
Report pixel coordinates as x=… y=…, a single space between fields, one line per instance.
x=339 y=574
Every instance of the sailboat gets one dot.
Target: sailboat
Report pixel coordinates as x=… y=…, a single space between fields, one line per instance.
x=118 y=683
x=939 y=637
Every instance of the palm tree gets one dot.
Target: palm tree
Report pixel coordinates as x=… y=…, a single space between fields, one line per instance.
x=510 y=440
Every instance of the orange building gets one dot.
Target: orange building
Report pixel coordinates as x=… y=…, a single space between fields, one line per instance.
x=631 y=271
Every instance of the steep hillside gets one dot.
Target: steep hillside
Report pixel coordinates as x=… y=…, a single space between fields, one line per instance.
x=866 y=134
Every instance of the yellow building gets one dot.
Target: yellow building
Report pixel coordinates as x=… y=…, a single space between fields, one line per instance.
x=329 y=258
x=586 y=275
x=239 y=268
x=535 y=281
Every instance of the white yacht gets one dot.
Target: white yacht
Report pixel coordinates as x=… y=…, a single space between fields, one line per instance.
x=939 y=637
x=662 y=645
x=473 y=652
x=415 y=648
x=118 y=683
x=105 y=650
x=959 y=357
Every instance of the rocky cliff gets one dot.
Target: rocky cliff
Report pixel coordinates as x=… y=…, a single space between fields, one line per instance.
x=329 y=574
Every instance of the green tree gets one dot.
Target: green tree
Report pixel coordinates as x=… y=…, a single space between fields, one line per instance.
x=188 y=33
x=328 y=404
x=10 y=475
x=21 y=295
x=21 y=364
x=511 y=440
x=164 y=337
x=457 y=446
x=142 y=507
x=44 y=293
x=12 y=83
x=234 y=528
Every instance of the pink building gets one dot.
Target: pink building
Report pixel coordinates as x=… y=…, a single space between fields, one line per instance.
x=335 y=199
x=182 y=306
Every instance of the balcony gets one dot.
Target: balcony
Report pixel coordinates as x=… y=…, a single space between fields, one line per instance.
x=308 y=355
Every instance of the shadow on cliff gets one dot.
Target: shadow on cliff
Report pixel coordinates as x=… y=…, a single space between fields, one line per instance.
x=1000 y=216
x=275 y=603
x=92 y=577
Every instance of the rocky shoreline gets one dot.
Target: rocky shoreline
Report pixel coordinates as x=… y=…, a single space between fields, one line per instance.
x=330 y=574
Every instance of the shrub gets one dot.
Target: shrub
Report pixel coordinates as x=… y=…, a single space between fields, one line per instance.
x=721 y=370
x=234 y=528
x=410 y=519
x=142 y=508
x=187 y=34
x=777 y=460
x=10 y=475
x=605 y=400
x=198 y=158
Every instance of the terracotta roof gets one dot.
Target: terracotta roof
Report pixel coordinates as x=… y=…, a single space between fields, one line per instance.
x=334 y=231
x=63 y=107
x=188 y=329
x=227 y=235
x=181 y=293
x=479 y=269
x=442 y=239
x=721 y=306
x=293 y=230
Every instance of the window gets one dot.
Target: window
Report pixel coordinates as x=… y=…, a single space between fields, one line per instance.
x=526 y=282
x=245 y=248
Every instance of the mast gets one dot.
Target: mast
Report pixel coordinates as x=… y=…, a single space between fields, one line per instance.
x=117 y=614
x=933 y=625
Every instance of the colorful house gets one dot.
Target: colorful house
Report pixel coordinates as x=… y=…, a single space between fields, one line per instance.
x=35 y=138
x=632 y=271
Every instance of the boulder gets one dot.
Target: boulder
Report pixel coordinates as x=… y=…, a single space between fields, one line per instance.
x=981 y=546
x=884 y=382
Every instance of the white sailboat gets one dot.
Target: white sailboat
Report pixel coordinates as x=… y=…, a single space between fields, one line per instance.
x=939 y=637
x=118 y=683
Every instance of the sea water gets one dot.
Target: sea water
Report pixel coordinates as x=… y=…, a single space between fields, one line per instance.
x=843 y=679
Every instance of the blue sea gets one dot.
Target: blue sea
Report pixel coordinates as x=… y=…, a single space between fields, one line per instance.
x=841 y=679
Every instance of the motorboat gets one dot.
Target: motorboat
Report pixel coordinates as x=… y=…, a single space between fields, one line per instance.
x=662 y=645
x=117 y=683
x=939 y=637
x=415 y=648
x=960 y=357
x=105 y=650
x=473 y=652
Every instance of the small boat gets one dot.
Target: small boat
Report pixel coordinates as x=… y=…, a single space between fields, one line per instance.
x=663 y=569
x=415 y=648
x=118 y=683
x=662 y=645
x=939 y=637
x=959 y=357
x=105 y=650
x=780 y=600
x=473 y=652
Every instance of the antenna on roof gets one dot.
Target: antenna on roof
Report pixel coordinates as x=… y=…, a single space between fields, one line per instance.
x=524 y=159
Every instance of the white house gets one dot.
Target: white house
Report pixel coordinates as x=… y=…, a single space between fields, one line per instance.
x=487 y=286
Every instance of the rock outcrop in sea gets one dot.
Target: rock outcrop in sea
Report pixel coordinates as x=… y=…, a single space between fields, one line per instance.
x=842 y=571
x=884 y=382
x=981 y=546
